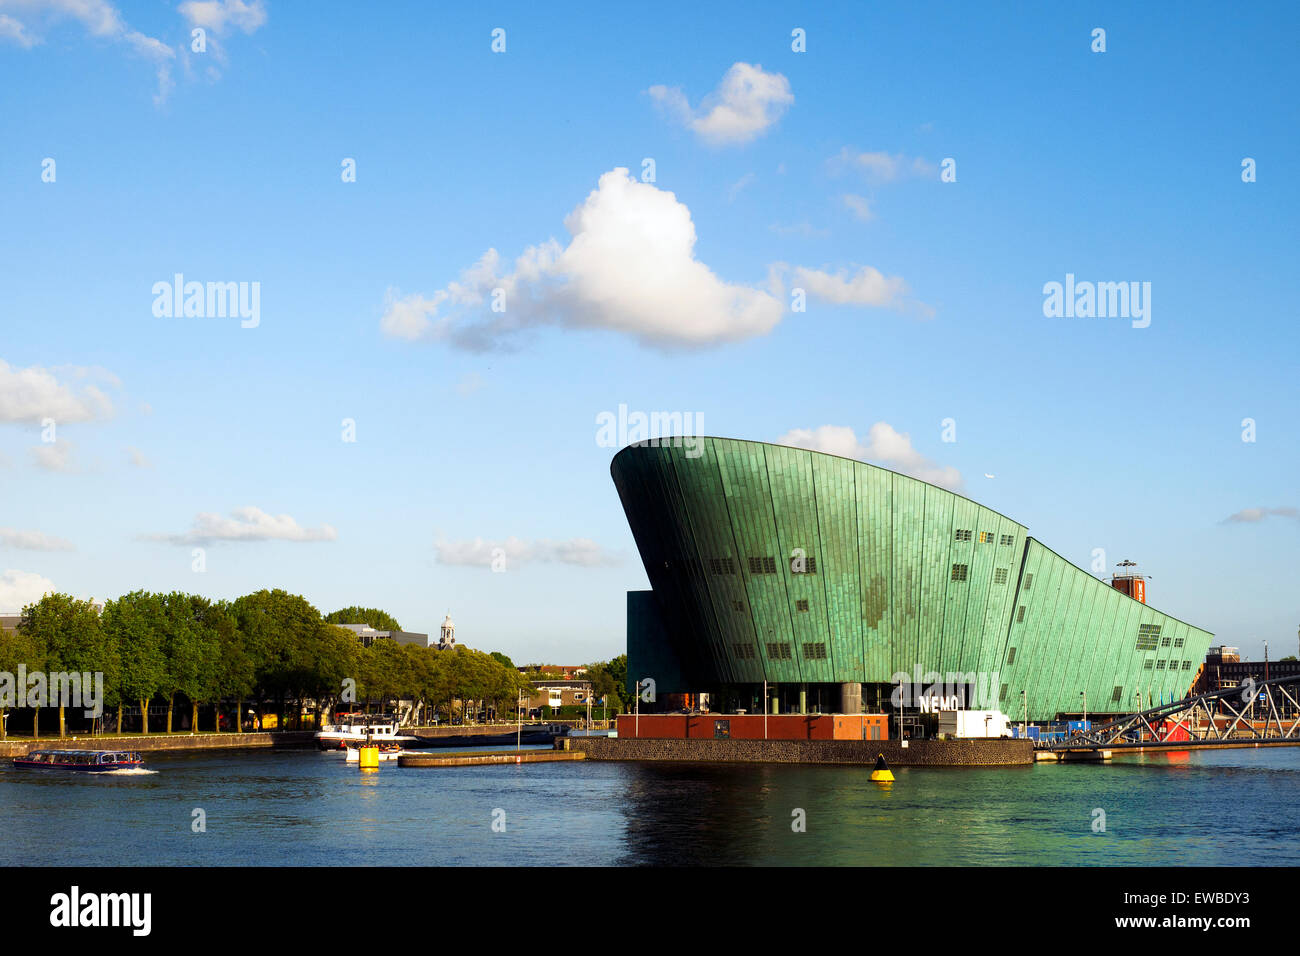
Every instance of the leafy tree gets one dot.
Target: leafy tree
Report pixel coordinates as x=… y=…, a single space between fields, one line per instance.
x=379 y=620
x=134 y=623
x=232 y=677
x=617 y=669
x=73 y=639
x=280 y=629
x=182 y=650
x=603 y=683
x=19 y=648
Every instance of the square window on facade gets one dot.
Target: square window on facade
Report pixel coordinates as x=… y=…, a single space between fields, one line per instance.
x=959 y=572
x=1000 y=576
x=801 y=605
x=1020 y=614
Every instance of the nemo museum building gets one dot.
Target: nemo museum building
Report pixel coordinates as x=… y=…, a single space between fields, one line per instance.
x=835 y=586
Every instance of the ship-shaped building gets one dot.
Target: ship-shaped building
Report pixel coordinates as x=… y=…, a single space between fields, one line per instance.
x=829 y=584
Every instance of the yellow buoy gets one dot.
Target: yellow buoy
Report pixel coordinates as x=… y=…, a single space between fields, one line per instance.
x=881 y=774
x=369 y=757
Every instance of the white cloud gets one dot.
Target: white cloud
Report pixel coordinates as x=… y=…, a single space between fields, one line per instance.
x=746 y=104
x=99 y=18
x=20 y=588
x=137 y=457
x=218 y=18
x=882 y=167
x=11 y=29
x=860 y=206
x=630 y=267
x=247 y=524
x=32 y=541
x=218 y=15
x=867 y=286
x=1253 y=515
x=28 y=395
x=884 y=446
x=515 y=551
x=54 y=456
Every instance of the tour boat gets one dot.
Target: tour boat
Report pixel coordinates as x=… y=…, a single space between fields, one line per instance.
x=388 y=750
x=358 y=728
x=84 y=761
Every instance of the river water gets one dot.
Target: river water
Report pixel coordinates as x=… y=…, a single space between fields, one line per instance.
x=1215 y=808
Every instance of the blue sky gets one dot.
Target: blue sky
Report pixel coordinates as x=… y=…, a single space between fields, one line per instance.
x=815 y=170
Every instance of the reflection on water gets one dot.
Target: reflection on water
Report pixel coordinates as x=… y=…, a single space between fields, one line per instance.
x=301 y=807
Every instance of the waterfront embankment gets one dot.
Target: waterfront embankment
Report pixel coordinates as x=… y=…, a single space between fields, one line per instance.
x=919 y=753
x=16 y=747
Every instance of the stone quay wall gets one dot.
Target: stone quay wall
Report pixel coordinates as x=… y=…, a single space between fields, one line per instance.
x=918 y=753
x=17 y=747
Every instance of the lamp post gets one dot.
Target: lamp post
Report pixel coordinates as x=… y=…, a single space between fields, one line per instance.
x=1024 y=726
x=1084 y=695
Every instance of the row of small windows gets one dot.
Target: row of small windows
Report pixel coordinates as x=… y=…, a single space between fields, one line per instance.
x=781 y=651
x=1149 y=637
x=762 y=565
x=986 y=537
x=1162 y=665
x=960 y=572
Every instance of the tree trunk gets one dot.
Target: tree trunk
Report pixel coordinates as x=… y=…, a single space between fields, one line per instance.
x=119 y=718
x=63 y=727
x=239 y=715
x=144 y=717
x=4 y=728
x=171 y=703
x=194 y=724
x=36 y=723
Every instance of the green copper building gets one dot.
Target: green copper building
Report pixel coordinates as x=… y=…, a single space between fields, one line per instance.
x=836 y=582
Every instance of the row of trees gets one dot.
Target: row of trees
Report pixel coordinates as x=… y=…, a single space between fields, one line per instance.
x=269 y=647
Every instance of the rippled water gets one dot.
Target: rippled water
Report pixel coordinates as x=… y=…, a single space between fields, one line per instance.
x=305 y=808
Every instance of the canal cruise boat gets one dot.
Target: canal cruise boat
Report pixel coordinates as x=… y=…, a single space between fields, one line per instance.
x=354 y=729
x=80 y=761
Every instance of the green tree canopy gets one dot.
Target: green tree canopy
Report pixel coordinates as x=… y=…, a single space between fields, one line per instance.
x=379 y=620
